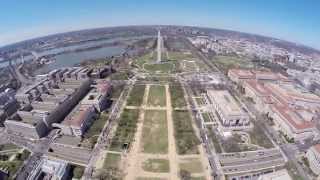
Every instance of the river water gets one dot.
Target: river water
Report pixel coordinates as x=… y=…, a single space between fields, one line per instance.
x=72 y=58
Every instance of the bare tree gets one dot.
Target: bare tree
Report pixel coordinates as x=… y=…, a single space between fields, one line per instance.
x=185 y=175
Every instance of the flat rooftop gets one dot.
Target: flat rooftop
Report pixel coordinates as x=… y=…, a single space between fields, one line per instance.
x=93 y=95
x=290 y=91
x=225 y=100
x=281 y=95
x=67 y=140
x=59 y=92
x=298 y=119
x=69 y=85
x=242 y=73
x=263 y=75
x=26 y=89
x=44 y=106
x=260 y=89
x=78 y=115
x=277 y=175
x=31 y=118
x=54 y=98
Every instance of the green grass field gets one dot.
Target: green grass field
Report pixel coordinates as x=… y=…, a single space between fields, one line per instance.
x=116 y=91
x=227 y=62
x=173 y=55
x=206 y=117
x=120 y=76
x=12 y=166
x=198 y=178
x=202 y=66
x=112 y=161
x=149 y=178
x=166 y=67
x=192 y=165
x=16 y=163
x=186 y=140
x=126 y=129
x=156 y=165
x=293 y=171
x=214 y=139
x=258 y=137
x=189 y=66
x=77 y=171
x=177 y=96
x=157 y=96
x=164 y=78
x=136 y=95
x=147 y=58
x=155 y=132
x=5 y=147
x=92 y=134
x=233 y=144
x=200 y=101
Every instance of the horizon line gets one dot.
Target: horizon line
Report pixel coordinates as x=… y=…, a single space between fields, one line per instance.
x=131 y=25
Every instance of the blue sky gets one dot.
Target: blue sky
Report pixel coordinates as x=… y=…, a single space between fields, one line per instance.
x=293 y=20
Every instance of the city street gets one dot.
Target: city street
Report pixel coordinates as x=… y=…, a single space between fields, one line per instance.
x=104 y=139
x=289 y=151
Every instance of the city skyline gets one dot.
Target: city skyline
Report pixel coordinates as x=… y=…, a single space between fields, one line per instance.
x=295 y=21
x=175 y=101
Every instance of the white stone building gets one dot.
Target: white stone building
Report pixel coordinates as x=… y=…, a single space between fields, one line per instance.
x=277 y=175
x=313 y=156
x=230 y=113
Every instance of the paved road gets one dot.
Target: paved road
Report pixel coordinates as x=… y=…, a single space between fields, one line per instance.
x=103 y=139
x=202 y=57
x=38 y=148
x=289 y=151
x=212 y=156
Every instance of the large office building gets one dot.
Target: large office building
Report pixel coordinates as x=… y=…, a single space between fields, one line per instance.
x=250 y=164
x=52 y=80
x=55 y=169
x=50 y=169
x=277 y=175
x=47 y=106
x=240 y=75
x=68 y=148
x=259 y=94
x=313 y=156
x=83 y=115
x=230 y=114
x=27 y=123
x=8 y=104
x=78 y=121
x=298 y=124
x=98 y=96
x=294 y=95
x=292 y=108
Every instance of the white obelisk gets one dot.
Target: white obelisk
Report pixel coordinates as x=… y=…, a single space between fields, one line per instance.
x=159 y=47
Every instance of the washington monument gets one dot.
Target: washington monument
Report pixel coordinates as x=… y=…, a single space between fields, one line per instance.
x=159 y=47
